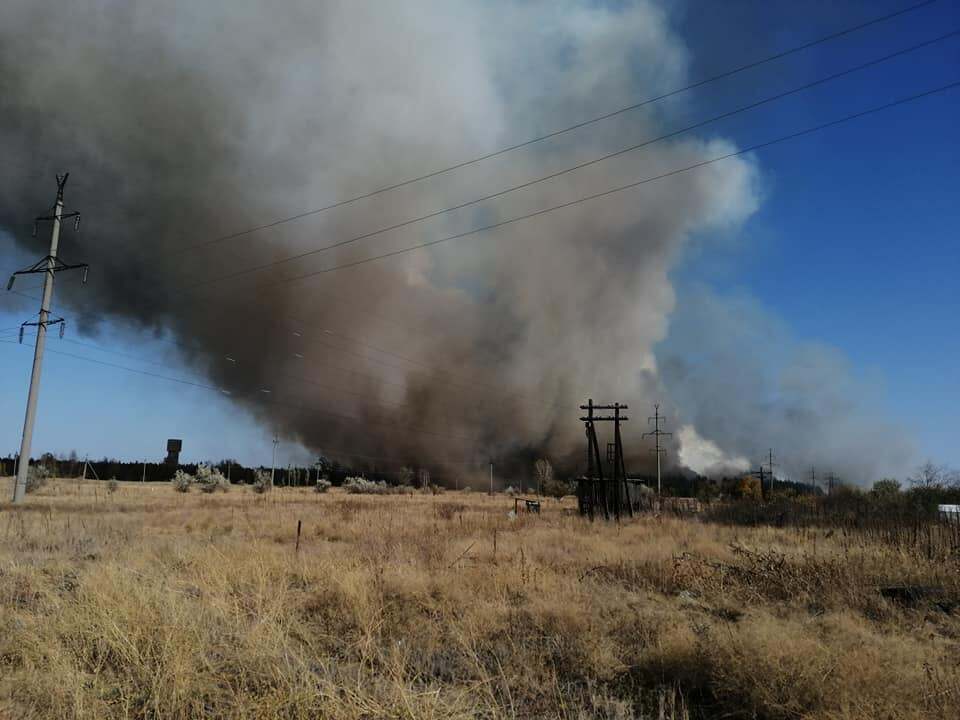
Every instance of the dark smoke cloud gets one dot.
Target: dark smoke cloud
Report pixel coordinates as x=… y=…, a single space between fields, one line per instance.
x=181 y=121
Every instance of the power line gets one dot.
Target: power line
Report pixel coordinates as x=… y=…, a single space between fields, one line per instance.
x=326 y=448
x=540 y=138
x=307 y=381
x=234 y=357
x=742 y=151
x=556 y=174
x=573 y=168
x=702 y=123
x=621 y=188
x=251 y=392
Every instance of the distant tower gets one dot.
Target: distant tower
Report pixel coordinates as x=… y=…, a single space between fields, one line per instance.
x=174 y=447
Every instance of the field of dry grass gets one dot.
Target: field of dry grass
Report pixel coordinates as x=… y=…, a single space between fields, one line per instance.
x=150 y=603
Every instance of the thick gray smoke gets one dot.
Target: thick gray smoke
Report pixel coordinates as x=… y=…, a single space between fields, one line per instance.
x=183 y=121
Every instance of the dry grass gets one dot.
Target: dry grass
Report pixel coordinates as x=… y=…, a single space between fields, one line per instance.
x=149 y=603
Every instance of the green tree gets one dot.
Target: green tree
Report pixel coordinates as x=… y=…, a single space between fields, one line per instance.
x=885 y=489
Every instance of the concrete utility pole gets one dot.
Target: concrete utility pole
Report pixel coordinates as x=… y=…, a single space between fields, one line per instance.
x=49 y=266
x=656 y=433
x=273 y=462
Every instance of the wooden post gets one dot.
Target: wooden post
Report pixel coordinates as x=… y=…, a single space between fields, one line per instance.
x=299 y=523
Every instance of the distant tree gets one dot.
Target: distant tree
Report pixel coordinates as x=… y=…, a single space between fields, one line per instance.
x=933 y=476
x=424 y=478
x=749 y=489
x=557 y=488
x=261 y=482
x=543 y=472
x=885 y=489
x=405 y=476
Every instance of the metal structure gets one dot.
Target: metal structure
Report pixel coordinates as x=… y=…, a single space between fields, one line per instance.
x=49 y=266
x=656 y=434
x=597 y=493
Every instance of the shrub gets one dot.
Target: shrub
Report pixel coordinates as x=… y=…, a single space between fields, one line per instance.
x=37 y=476
x=362 y=486
x=112 y=485
x=555 y=488
x=511 y=490
x=181 y=481
x=210 y=479
x=322 y=485
x=261 y=482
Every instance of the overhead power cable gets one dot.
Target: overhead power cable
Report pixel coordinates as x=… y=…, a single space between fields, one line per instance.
x=561 y=131
x=234 y=357
x=573 y=168
x=621 y=188
x=630 y=185
x=365 y=398
x=268 y=398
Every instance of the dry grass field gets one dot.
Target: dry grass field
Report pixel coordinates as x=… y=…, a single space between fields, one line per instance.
x=149 y=603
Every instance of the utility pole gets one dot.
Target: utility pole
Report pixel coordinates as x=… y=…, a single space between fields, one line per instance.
x=770 y=465
x=273 y=461
x=491 y=479
x=656 y=433
x=813 y=480
x=143 y=478
x=49 y=266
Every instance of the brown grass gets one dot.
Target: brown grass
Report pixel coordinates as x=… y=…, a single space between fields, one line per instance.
x=148 y=603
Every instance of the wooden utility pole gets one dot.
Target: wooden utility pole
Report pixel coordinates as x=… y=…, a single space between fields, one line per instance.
x=594 y=491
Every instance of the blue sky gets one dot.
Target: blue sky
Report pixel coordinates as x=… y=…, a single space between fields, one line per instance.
x=854 y=245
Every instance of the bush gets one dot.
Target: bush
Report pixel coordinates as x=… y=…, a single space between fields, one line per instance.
x=362 y=486
x=552 y=487
x=322 y=485
x=112 y=485
x=37 y=476
x=511 y=490
x=210 y=479
x=181 y=481
x=261 y=482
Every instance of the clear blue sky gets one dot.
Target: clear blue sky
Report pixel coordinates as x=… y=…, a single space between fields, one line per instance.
x=855 y=244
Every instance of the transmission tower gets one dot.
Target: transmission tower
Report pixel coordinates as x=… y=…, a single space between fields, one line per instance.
x=49 y=266
x=657 y=433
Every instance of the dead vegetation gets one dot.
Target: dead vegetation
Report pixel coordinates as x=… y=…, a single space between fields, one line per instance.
x=148 y=603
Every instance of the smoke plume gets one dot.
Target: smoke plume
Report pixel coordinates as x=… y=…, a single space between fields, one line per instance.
x=181 y=122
